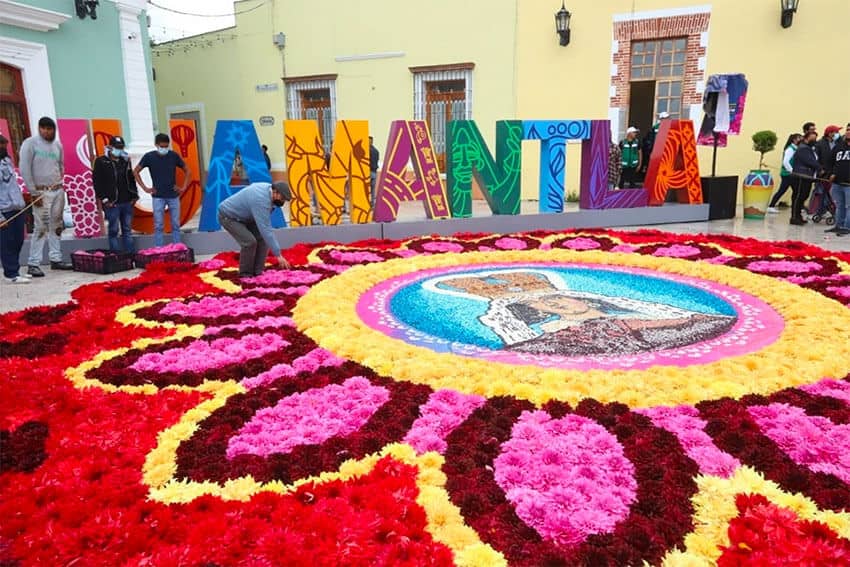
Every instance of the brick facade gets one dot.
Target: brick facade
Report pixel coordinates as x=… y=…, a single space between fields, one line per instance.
x=690 y=26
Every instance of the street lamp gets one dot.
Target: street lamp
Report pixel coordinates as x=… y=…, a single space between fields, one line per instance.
x=562 y=25
x=789 y=8
x=86 y=8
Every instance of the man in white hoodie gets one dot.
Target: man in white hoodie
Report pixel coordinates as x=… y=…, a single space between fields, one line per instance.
x=43 y=169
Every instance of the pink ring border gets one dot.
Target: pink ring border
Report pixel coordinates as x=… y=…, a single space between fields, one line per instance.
x=758 y=323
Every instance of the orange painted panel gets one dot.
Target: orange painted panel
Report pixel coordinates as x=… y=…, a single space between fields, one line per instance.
x=674 y=164
x=103 y=129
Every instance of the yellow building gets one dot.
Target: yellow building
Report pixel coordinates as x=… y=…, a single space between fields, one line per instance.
x=626 y=60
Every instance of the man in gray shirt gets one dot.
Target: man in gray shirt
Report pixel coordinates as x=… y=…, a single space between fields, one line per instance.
x=247 y=217
x=43 y=169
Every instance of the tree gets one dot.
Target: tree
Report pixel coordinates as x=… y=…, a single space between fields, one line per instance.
x=764 y=142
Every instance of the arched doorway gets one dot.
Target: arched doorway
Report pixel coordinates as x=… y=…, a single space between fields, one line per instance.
x=13 y=106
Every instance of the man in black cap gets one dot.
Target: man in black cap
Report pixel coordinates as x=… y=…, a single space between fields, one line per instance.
x=115 y=187
x=246 y=215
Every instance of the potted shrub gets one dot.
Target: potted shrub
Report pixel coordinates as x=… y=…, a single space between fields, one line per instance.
x=758 y=184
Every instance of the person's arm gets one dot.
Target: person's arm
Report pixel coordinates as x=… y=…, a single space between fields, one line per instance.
x=187 y=175
x=786 y=159
x=131 y=181
x=99 y=181
x=61 y=162
x=263 y=219
x=137 y=175
x=26 y=168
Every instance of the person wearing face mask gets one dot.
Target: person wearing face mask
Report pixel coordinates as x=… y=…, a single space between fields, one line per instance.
x=12 y=222
x=806 y=169
x=246 y=215
x=839 y=166
x=115 y=187
x=43 y=169
x=162 y=164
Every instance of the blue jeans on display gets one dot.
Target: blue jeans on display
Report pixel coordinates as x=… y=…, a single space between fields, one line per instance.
x=120 y=216
x=841 y=196
x=159 y=205
x=11 y=241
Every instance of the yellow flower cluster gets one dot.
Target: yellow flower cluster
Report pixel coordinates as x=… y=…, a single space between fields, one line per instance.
x=714 y=506
x=328 y=315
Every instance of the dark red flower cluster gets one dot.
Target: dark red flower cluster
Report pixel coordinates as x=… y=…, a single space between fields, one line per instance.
x=48 y=314
x=36 y=347
x=23 y=450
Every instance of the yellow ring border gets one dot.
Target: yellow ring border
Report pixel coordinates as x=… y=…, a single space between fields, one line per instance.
x=815 y=343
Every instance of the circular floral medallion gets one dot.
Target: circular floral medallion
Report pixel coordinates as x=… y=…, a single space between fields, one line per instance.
x=570 y=315
x=680 y=332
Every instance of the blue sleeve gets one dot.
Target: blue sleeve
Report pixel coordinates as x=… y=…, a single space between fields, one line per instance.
x=263 y=217
x=144 y=162
x=180 y=163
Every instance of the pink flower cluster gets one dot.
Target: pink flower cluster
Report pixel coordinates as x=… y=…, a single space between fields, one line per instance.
x=812 y=441
x=677 y=251
x=508 y=243
x=298 y=290
x=202 y=355
x=684 y=422
x=168 y=248
x=266 y=322
x=278 y=277
x=568 y=478
x=212 y=264
x=442 y=247
x=441 y=414
x=96 y=253
x=355 y=257
x=213 y=307
x=581 y=243
x=309 y=418
x=310 y=362
x=837 y=389
x=624 y=248
x=768 y=266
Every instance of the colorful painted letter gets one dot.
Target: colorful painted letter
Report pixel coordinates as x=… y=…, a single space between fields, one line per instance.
x=674 y=164
x=553 y=136
x=349 y=164
x=103 y=129
x=594 y=192
x=409 y=140
x=230 y=136
x=78 y=178
x=467 y=155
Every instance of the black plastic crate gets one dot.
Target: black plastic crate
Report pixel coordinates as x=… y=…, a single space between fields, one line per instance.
x=102 y=262
x=187 y=256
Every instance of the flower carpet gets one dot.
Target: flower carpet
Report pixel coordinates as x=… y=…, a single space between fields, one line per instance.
x=575 y=398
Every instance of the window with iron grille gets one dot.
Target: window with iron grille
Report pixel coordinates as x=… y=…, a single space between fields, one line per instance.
x=662 y=61
x=314 y=100
x=441 y=95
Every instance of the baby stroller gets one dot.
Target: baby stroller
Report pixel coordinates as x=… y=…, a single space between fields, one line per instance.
x=821 y=205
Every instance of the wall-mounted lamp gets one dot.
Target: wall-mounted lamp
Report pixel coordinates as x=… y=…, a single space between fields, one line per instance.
x=562 y=25
x=789 y=8
x=86 y=8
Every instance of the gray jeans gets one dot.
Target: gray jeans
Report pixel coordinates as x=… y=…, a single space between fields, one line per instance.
x=253 y=252
x=48 y=226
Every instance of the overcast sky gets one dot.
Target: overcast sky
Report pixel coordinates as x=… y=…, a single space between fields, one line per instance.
x=166 y=26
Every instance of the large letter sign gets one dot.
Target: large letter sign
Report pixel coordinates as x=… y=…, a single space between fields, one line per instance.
x=674 y=164
x=553 y=136
x=468 y=156
x=409 y=141
x=349 y=164
x=232 y=135
x=594 y=193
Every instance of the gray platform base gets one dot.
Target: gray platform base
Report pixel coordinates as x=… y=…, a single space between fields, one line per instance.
x=205 y=243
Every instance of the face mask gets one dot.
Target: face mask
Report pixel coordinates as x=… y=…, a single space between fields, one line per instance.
x=162 y=151
x=836 y=136
x=278 y=202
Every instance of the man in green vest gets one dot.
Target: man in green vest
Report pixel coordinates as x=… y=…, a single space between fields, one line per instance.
x=631 y=159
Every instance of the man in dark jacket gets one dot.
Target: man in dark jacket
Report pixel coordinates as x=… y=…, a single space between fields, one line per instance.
x=839 y=167
x=115 y=187
x=806 y=169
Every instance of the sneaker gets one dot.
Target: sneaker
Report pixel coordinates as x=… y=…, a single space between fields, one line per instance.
x=35 y=271
x=773 y=210
x=833 y=229
x=27 y=276
x=842 y=232
x=61 y=266
x=18 y=280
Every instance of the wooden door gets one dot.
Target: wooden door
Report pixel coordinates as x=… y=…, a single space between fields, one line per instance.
x=13 y=106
